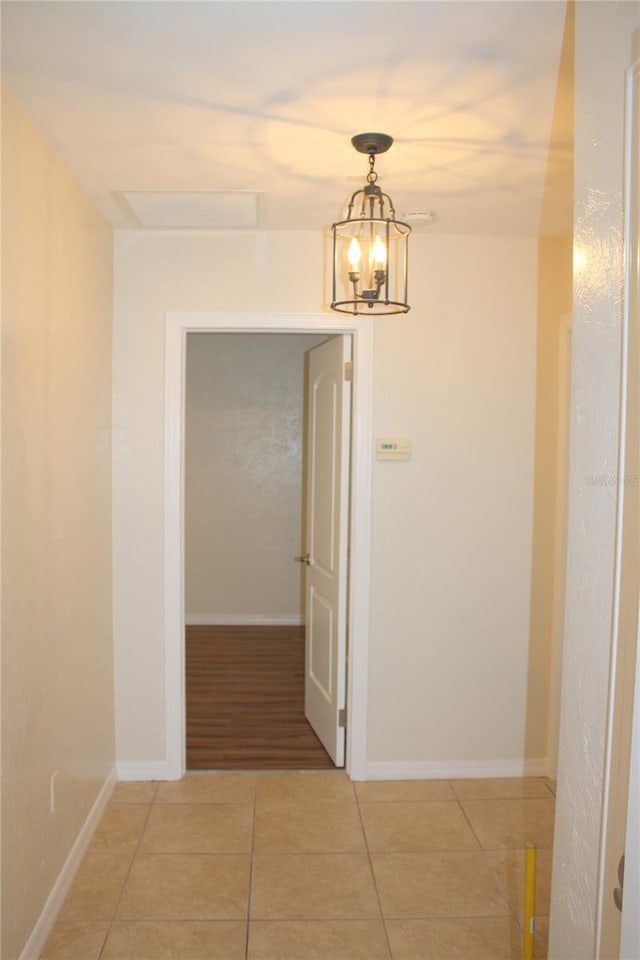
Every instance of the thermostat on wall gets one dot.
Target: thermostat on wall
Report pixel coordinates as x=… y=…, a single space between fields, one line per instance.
x=393 y=448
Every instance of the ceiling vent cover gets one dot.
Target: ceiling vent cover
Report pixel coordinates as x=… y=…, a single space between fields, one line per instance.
x=193 y=209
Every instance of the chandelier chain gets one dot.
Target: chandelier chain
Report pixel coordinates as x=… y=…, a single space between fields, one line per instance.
x=372 y=176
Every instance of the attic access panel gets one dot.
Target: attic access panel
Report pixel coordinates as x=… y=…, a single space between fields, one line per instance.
x=210 y=209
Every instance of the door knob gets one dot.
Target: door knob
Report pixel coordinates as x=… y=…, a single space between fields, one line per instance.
x=304 y=559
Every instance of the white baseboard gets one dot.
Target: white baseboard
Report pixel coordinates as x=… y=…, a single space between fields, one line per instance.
x=454 y=770
x=241 y=620
x=154 y=770
x=35 y=944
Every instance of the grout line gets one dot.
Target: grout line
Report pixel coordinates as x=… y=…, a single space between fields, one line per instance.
x=251 y=852
x=104 y=939
x=502 y=890
x=373 y=875
x=449 y=916
x=504 y=893
x=471 y=827
x=128 y=873
x=453 y=790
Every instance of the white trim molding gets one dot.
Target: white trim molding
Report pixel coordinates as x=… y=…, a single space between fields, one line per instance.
x=178 y=325
x=142 y=770
x=242 y=620
x=630 y=921
x=35 y=944
x=454 y=769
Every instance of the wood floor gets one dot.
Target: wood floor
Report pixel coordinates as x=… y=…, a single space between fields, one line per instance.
x=245 y=700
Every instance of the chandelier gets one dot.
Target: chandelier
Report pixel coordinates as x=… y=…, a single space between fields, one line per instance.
x=370 y=247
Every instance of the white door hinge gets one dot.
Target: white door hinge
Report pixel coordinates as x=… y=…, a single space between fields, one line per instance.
x=348 y=371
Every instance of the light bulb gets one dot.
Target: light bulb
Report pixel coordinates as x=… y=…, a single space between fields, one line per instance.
x=379 y=254
x=354 y=254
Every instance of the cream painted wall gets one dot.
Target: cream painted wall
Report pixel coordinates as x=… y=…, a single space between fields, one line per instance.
x=452 y=528
x=243 y=476
x=57 y=673
x=154 y=273
x=451 y=557
x=603 y=52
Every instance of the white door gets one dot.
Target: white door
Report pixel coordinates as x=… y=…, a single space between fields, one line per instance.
x=327 y=525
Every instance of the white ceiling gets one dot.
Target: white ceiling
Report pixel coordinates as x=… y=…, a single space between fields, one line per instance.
x=265 y=96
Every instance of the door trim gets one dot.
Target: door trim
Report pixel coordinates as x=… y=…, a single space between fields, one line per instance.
x=178 y=324
x=614 y=934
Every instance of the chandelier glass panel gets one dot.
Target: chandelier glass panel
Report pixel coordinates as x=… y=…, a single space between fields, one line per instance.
x=370 y=247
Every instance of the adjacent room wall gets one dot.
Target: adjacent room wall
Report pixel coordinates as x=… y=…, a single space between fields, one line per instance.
x=57 y=673
x=553 y=384
x=451 y=560
x=243 y=477
x=553 y=353
x=603 y=52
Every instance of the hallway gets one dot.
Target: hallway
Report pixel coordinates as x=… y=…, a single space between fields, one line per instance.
x=309 y=866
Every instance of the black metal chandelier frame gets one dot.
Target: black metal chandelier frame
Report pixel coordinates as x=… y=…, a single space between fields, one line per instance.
x=372 y=233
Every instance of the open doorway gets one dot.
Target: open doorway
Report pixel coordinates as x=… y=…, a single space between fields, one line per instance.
x=178 y=325
x=245 y=510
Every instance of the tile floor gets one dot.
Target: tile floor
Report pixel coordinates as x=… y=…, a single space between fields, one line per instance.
x=309 y=866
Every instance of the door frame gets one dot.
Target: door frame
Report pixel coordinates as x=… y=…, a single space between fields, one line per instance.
x=630 y=923
x=177 y=325
x=619 y=935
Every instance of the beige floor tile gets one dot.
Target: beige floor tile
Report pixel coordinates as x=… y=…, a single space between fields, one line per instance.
x=318 y=940
x=198 y=828
x=120 y=828
x=186 y=887
x=490 y=938
x=209 y=788
x=96 y=888
x=434 y=825
x=313 y=887
x=305 y=787
x=379 y=791
x=176 y=940
x=74 y=940
x=437 y=885
x=329 y=827
x=500 y=824
x=134 y=791
x=509 y=868
x=505 y=788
